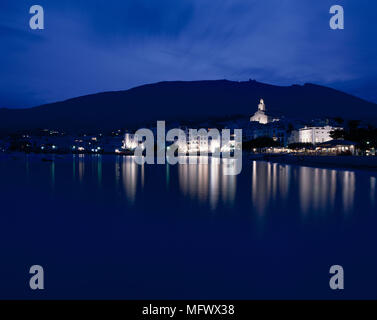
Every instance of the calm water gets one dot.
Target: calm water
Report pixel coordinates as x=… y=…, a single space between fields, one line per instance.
x=105 y=227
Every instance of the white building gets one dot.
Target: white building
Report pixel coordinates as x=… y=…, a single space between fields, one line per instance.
x=312 y=135
x=130 y=141
x=261 y=116
x=204 y=141
x=264 y=125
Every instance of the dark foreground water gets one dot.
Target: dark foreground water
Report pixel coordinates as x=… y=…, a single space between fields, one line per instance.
x=105 y=227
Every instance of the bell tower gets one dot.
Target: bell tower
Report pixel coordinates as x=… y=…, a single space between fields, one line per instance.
x=261 y=106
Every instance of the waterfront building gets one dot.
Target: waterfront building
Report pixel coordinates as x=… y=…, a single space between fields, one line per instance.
x=337 y=147
x=202 y=142
x=130 y=141
x=313 y=135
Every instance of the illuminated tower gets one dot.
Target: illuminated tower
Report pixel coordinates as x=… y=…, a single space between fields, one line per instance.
x=261 y=106
x=260 y=116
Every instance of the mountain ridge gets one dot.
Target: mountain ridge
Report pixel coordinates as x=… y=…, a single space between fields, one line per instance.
x=182 y=100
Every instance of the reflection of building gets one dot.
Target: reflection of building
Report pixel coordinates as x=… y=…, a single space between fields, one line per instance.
x=207 y=182
x=312 y=135
x=269 y=181
x=261 y=116
x=130 y=177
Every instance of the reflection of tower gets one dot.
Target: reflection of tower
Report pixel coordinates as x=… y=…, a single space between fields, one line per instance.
x=261 y=106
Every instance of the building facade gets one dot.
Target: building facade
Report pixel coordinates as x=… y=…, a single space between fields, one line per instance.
x=313 y=135
x=131 y=141
x=278 y=131
x=261 y=115
x=264 y=125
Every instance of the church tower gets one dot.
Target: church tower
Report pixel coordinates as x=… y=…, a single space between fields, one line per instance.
x=260 y=116
x=262 y=106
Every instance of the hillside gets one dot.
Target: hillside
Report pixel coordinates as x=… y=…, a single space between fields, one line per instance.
x=179 y=100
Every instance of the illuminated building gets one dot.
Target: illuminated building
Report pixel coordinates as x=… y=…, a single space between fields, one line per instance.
x=313 y=135
x=261 y=116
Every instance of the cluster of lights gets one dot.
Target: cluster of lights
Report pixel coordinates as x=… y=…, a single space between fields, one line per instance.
x=53 y=147
x=98 y=149
x=78 y=148
x=94 y=150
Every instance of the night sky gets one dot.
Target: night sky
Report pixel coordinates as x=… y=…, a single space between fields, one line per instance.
x=93 y=46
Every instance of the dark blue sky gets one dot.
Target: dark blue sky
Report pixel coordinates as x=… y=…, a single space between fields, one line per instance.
x=93 y=46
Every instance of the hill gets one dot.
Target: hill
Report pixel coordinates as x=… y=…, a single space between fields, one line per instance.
x=179 y=100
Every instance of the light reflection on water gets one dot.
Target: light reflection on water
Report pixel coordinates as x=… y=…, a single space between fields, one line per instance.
x=207 y=182
x=127 y=173
x=318 y=189
x=118 y=212
x=129 y=177
x=313 y=189
x=373 y=190
x=81 y=167
x=265 y=179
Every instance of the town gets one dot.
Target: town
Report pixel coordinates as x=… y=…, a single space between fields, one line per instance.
x=262 y=133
